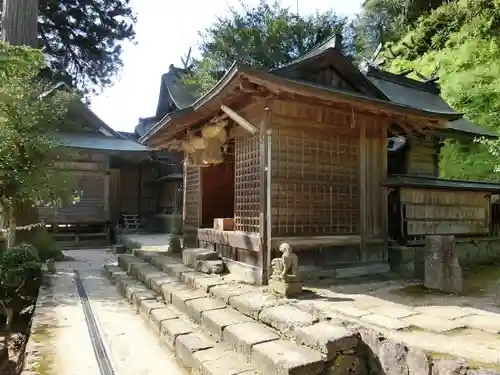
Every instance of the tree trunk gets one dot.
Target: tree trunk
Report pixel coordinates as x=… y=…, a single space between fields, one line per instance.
x=20 y=22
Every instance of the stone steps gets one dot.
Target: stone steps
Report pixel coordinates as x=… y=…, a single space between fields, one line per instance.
x=270 y=335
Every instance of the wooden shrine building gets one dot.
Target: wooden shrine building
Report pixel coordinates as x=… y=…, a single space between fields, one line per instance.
x=300 y=155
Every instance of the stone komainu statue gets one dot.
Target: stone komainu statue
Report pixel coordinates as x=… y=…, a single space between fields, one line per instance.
x=286 y=267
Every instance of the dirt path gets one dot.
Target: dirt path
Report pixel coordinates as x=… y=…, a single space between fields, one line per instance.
x=62 y=343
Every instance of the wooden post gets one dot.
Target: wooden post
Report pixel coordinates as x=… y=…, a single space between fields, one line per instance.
x=20 y=22
x=263 y=197
x=362 y=188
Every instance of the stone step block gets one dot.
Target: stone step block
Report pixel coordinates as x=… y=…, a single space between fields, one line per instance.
x=113 y=273
x=280 y=357
x=187 y=345
x=190 y=257
x=210 y=266
x=208 y=282
x=159 y=316
x=196 y=307
x=176 y=269
x=215 y=322
x=133 y=288
x=327 y=338
x=158 y=281
x=148 y=306
x=110 y=268
x=150 y=275
x=171 y=329
x=179 y=297
x=136 y=268
x=122 y=282
x=191 y=277
x=243 y=336
x=139 y=297
x=217 y=361
x=251 y=304
x=168 y=288
x=144 y=272
x=125 y=259
x=227 y=291
x=286 y=318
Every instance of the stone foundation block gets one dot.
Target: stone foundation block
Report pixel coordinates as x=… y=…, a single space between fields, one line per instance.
x=159 y=316
x=242 y=337
x=187 y=345
x=190 y=257
x=327 y=338
x=286 y=358
x=216 y=321
x=251 y=304
x=196 y=307
x=157 y=282
x=286 y=318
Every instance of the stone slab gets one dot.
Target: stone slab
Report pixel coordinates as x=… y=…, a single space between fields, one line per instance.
x=149 y=305
x=216 y=321
x=242 y=337
x=286 y=318
x=139 y=297
x=433 y=323
x=251 y=304
x=488 y=322
x=327 y=338
x=187 y=345
x=143 y=271
x=196 y=307
x=347 y=309
x=135 y=268
x=208 y=282
x=176 y=269
x=393 y=311
x=385 y=322
x=157 y=282
x=131 y=289
x=168 y=288
x=179 y=297
x=150 y=275
x=286 y=358
x=159 y=316
x=191 y=256
x=190 y=277
x=171 y=329
x=215 y=361
x=227 y=291
x=445 y=312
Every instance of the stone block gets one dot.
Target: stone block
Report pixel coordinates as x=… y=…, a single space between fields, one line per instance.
x=150 y=275
x=139 y=297
x=417 y=362
x=392 y=356
x=119 y=249
x=286 y=318
x=176 y=270
x=327 y=338
x=179 y=297
x=210 y=266
x=136 y=267
x=243 y=336
x=215 y=361
x=442 y=270
x=284 y=288
x=131 y=289
x=433 y=323
x=187 y=345
x=227 y=291
x=208 y=282
x=173 y=328
x=286 y=358
x=216 y=321
x=168 y=288
x=251 y=304
x=449 y=367
x=157 y=282
x=347 y=309
x=385 y=322
x=149 y=305
x=190 y=277
x=190 y=257
x=144 y=271
x=196 y=307
x=159 y=316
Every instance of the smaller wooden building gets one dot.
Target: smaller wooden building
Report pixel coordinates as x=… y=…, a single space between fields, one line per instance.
x=299 y=155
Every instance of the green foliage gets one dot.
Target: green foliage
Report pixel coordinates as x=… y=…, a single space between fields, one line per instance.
x=266 y=36
x=463 y=38
x=29 y=114
x=82 y=40
x=42 y=241
x=20 y=272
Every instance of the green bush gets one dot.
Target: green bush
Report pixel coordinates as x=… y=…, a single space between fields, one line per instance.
x=43 y=242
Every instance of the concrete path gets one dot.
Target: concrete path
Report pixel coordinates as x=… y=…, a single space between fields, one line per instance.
x=61 y=343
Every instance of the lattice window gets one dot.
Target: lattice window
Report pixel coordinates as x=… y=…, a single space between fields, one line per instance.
x=192 y=186
x=247 y=182
x=315 y=183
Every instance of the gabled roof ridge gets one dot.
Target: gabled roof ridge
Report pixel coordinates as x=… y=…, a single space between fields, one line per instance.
x=403 y=80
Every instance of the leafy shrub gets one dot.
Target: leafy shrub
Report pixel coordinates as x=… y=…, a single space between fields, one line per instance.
x=43 y=242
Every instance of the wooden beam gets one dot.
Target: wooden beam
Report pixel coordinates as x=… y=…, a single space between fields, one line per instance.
x=239 y=120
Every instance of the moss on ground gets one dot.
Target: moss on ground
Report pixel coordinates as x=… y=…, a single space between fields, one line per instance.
x=45 y=361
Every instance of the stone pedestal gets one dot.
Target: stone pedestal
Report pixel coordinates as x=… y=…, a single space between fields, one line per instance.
x=174 y=244
x=286 y=288
x=441 y=267
x=119 y=249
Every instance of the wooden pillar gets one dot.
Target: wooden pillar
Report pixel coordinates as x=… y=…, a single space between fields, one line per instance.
x=362 y=187
x=20 y=22
x=264 y=219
